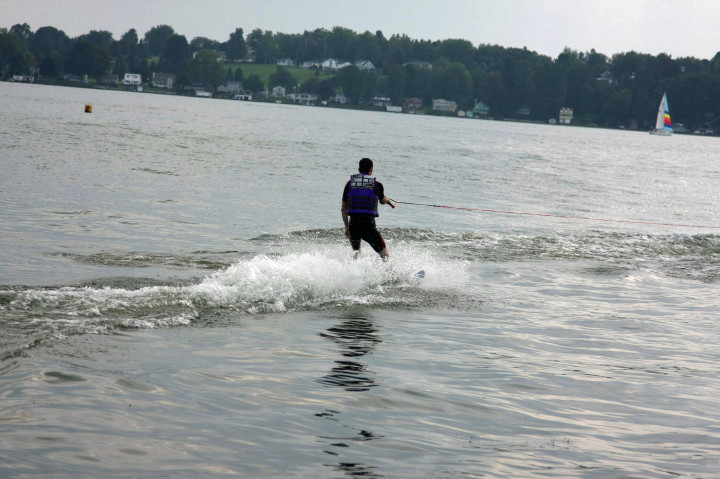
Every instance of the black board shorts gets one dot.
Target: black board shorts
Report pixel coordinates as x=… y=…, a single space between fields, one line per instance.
x=362 y=227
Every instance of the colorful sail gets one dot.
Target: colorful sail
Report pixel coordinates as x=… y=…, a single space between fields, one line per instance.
x=663 y=120
x=663 y=124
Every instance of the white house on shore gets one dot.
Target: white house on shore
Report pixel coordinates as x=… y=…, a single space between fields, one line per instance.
x=566 y=116
x=279 y=91
x=303 y=98
x=447 y=106
x=163 y=80
x=333 y=64
x=133 y=79
x=23 y=78
x=380 y=101
x=481 y=109
x=364 y=65
x=231 y=87
x=330 y=64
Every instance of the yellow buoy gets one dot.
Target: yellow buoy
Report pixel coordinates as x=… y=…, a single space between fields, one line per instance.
x=88 y=108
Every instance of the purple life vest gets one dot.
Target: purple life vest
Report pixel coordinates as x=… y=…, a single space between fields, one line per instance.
x=361 y=198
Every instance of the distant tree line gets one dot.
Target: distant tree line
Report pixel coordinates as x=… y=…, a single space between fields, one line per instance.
x=622 y=90
x=50 y=53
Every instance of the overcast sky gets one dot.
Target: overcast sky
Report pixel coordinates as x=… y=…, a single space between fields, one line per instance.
x=677 y=27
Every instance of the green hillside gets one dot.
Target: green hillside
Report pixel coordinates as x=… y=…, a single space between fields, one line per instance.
x=265 y=70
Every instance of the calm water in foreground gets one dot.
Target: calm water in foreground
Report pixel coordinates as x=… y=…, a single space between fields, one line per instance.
x=177 y=299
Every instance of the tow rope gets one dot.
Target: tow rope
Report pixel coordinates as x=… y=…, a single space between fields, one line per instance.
x=548 y=215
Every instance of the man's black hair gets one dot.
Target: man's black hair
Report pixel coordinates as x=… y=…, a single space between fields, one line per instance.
x=366 y=165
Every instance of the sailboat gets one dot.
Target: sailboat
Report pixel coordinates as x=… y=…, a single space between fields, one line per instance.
x=663 y=124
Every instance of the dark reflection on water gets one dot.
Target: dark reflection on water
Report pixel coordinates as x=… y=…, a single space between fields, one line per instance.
x=356 y=337
x=351 y=375
x=352 y=469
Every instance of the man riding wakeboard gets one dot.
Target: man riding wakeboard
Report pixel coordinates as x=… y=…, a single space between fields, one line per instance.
x=360 y=200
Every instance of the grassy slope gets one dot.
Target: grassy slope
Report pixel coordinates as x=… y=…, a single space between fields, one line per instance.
x=300 y=74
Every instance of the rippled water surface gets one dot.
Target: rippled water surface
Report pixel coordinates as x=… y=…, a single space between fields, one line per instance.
x=177 y=299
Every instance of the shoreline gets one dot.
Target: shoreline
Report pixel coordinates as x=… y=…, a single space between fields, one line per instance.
x=426 y=112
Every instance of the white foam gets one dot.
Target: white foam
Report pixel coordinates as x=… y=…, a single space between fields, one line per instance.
x=323 y=275
x=292 y=279
x=304 y=280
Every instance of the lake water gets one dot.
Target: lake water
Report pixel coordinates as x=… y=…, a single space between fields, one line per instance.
x=177 y=298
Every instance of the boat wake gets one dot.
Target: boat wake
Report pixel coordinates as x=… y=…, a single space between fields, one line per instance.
x=305 y=281
x=313 y=271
